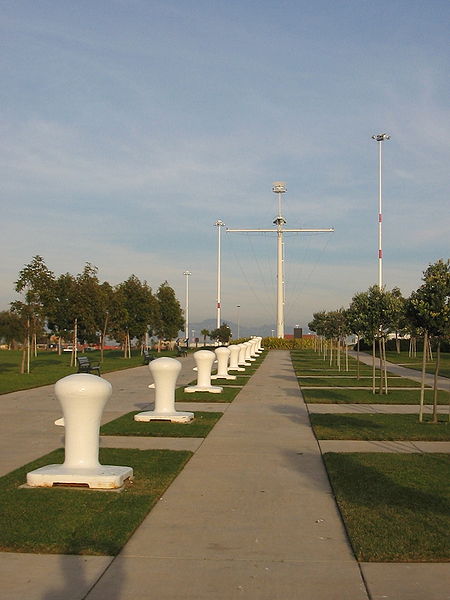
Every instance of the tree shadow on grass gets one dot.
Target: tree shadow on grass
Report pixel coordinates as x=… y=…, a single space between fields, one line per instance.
x=365 y=482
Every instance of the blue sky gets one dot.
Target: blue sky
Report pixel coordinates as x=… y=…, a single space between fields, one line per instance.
x=129 y=127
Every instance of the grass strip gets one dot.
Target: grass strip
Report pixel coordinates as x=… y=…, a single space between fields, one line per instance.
x=393 y=382
x=227 y=395
x=74 y=521
x=126 y=425
x=48 y=367
x=396 y=507
x=415 y=362
x=352 y=396
x=350 y=426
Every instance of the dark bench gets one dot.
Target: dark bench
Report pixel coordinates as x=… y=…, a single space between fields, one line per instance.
x=147 y=356
x=86 y=366
x=182 y=351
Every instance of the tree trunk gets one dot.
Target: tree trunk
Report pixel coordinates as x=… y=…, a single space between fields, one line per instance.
x=102 y=347
x=373 y=365
x=357 y=357
x=381 y=366
x=385 y=368
x=436 y=374
x=422 y=381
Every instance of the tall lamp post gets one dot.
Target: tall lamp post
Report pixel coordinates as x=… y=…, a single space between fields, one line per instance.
x=238 y=322
x=186 y=312
x=380 y=137
x=219 y=224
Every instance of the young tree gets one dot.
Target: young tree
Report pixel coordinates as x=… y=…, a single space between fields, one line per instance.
x=171 y=319
x=430 y=306
x=62 y=315
x=222 y=334
x=134 y=310
x=36 y=283
x=205 y=333
x=10 y=328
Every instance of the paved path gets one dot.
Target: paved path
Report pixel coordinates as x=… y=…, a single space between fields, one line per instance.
x=251 y=515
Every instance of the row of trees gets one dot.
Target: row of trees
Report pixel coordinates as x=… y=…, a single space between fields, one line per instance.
x=377 y=313
x=83 y=309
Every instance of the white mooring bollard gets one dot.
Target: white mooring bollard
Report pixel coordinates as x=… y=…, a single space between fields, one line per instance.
x=165 y=373
x=223 y=355
x=204 y=360
x=242 y=354
x=83 y=398
x=234 y=358
x=248 y=351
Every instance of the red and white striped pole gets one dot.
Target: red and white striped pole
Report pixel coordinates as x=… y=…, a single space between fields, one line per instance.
x=380 y=138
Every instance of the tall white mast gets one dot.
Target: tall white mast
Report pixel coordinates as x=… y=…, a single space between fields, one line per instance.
x=380 y=137
x=219 y=224
x=279 y=188
x=186 y=312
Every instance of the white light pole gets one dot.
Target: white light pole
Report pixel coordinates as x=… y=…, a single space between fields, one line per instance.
x=219 y=224
x=186 y=312
x=238 y=313
x=380 y=137
x=279 y=188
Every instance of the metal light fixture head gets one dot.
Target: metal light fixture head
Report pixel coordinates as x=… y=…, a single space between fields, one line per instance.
x=219 y=223
x=279 y=187
x=187 y=273
x=380 y=137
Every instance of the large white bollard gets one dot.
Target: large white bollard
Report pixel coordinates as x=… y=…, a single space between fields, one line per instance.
x=259 y=350
x=254 y=350
x=234 y=358
x=248 y=351
x=223 y=356
x=83 y=398
x=165 y=373
x=242 y=354
x=204 y=360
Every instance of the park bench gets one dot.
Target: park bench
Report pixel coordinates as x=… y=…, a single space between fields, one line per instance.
x=86 y=366
x=147 y=357
x=182 y=351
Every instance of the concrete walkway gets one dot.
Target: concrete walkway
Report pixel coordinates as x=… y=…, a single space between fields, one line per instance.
x=251 y=515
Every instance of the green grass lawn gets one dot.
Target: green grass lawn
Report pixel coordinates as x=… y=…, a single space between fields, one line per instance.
x=396 y=507
x=352 y=396
x=354 y=382
x=416 y=362
x=74 y=521
x=48 y=367
x=126 y=425
x=241 y=381
x=379 y=427
x=227 y=395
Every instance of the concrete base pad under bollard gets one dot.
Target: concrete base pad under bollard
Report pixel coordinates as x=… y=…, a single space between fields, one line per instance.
x=176 y=417
x=103 y=477
x=212 y=389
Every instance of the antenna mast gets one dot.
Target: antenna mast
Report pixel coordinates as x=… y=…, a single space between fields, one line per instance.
x=279 y=188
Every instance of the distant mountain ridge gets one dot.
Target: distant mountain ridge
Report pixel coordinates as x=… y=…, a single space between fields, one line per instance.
x=244 y=331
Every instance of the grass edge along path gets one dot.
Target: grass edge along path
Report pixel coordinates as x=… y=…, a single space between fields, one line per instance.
x=379 y=427
x=355 y=396
x=395 y=507
x=81 y=521
x=126 y=425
